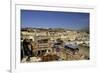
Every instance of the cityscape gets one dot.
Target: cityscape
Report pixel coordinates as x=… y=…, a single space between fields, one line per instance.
x=54 y=36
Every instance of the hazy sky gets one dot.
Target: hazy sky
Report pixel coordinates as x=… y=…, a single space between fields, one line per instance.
x=53 y=19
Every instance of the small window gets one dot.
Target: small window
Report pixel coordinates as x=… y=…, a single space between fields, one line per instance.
x=49 y=50
x=38 y=52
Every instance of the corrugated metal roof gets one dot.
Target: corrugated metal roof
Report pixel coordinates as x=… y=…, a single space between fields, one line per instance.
x=72 y=46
